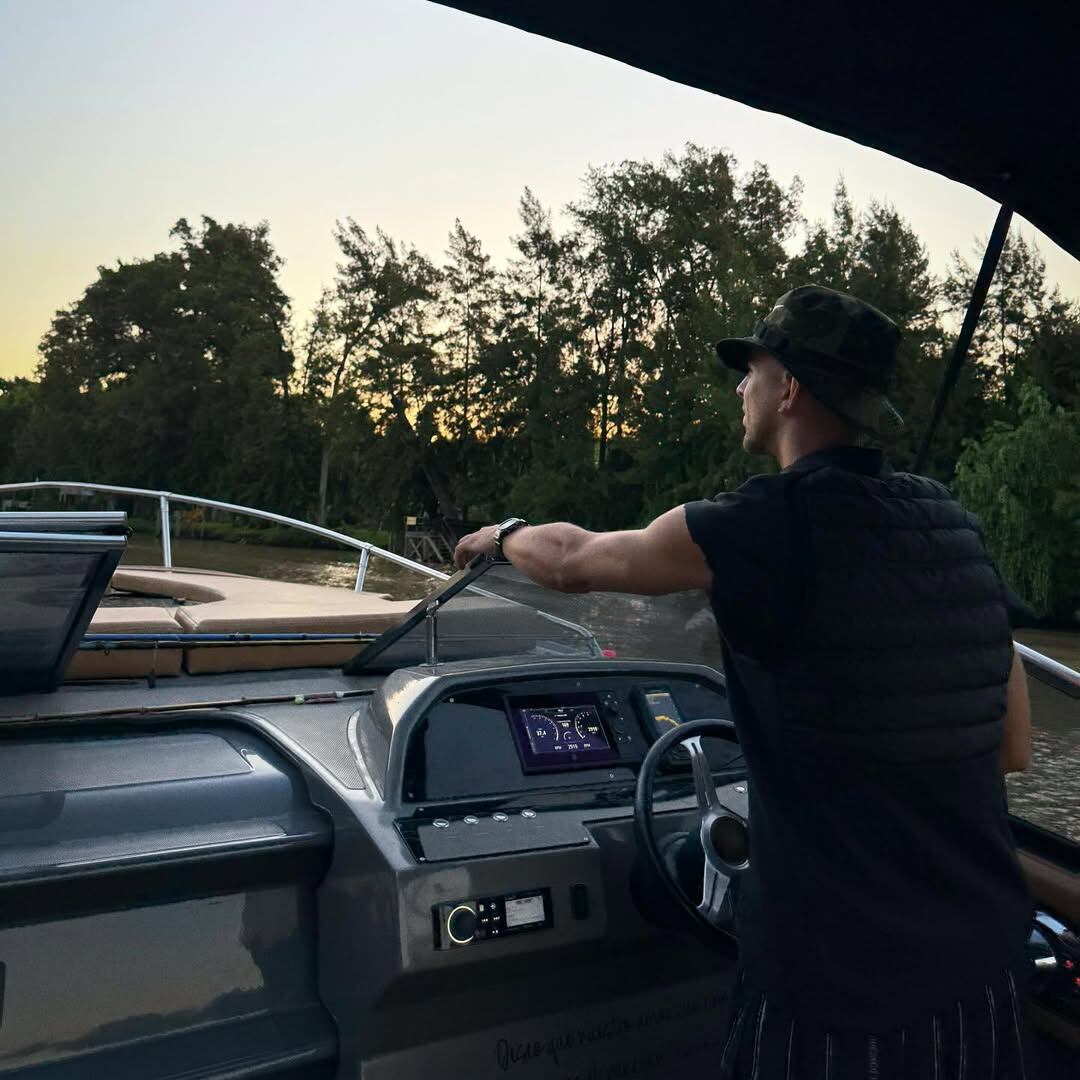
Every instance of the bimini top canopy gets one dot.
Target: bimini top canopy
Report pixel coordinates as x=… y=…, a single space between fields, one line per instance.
x=983 y=93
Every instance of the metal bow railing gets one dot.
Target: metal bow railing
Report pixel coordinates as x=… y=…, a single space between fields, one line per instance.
x=366 y=549
x=166 y=498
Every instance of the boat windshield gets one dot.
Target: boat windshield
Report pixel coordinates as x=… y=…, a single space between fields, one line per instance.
x=498 y=612
x=54 y=569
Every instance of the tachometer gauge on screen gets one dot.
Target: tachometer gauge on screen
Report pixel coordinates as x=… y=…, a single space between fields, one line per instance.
x=587 y=727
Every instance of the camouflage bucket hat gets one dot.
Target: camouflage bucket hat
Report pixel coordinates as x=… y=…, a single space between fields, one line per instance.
x=841 y=349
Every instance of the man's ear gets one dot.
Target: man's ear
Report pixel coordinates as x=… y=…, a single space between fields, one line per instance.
x=791 y=394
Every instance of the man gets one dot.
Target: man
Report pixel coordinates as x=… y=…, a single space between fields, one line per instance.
x=878 y=701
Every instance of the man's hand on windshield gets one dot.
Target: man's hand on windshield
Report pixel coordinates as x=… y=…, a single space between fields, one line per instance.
x=661 y=558
x=481 y=542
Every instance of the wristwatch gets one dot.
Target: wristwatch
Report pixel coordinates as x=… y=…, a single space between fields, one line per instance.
x=504 y=529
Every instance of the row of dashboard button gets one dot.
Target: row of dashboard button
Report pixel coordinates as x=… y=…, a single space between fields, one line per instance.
x=472 y=819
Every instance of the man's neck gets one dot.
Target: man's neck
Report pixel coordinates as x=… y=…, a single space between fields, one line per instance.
x=796 y=445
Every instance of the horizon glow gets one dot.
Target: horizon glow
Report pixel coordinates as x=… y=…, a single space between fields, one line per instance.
x=122 y=117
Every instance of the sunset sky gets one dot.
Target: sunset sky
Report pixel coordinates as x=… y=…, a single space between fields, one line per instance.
x=119 y=116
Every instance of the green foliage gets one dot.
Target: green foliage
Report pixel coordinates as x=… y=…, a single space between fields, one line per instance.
x=1023 y=481
x=173 y=372
x=18 y=400
x=569 y=382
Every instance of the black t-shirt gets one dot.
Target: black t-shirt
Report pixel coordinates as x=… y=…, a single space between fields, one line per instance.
x=757 y=550
x=759 y=568
x=758 y=576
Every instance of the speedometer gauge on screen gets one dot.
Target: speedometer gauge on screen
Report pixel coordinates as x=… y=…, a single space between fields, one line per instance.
x=560 y=731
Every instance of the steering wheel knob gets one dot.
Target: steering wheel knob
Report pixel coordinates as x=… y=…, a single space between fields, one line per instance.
x=729 y=838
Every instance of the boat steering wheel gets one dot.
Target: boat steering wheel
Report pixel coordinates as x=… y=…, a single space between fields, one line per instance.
x=725 y=835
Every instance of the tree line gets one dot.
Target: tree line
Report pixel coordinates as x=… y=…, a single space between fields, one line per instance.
x=567 y=383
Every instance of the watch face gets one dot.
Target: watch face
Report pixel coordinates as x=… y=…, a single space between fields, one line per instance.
x=504 y=530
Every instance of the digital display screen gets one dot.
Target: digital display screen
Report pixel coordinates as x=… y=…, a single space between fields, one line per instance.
x=662 y=709
x=560 y=731
x=525 y=911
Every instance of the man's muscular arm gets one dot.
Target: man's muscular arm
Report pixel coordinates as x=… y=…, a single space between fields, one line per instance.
x=661 y=558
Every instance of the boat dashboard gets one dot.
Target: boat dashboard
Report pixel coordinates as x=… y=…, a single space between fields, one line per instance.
x=397 y=869
x=511 y=791
x=481 y=761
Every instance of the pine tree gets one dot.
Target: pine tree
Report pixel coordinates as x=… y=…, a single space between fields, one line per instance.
x=467 y=313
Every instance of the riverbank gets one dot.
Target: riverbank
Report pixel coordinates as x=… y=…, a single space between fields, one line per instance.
x=304 y=565
x=286 y=536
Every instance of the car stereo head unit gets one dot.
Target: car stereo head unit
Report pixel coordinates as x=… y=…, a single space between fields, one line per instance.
x=560 y=731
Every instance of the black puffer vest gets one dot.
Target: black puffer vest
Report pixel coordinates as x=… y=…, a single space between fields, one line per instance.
x=884 y=879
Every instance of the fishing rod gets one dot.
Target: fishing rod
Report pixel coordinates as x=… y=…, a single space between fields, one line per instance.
x=321 y=697
x=110 y=642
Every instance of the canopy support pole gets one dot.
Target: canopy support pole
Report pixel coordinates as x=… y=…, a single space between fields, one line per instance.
x=967 y=330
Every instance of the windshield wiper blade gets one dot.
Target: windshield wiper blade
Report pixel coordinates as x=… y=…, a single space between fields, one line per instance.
x=426 y=609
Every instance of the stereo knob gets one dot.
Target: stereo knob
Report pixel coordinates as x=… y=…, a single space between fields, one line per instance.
x=461 y=924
